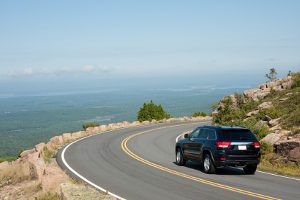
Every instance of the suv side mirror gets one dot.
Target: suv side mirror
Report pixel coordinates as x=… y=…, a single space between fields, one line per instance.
x=186 y=135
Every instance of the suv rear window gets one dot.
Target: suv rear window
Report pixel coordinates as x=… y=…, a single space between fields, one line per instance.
x=236 y=134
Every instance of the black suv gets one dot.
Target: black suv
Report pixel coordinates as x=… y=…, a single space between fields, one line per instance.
x=220 y=146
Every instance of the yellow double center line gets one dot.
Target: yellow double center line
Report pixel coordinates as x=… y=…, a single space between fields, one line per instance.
x=226 y=187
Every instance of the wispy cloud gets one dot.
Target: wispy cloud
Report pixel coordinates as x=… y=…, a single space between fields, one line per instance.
x=88 y=68
x=45 y=71
x=58 y=71
x=12 y=74
x=65 y=70
x=28 y=71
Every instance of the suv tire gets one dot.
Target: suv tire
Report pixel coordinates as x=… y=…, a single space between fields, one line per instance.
x=179 y=158
x=250 y=169
x=208 y=165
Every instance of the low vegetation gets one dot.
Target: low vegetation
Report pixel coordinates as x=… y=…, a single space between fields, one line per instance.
x=197 y=114
x=48 y=154
x=270 y=162
x=49 y=196
x=279 y=168
x=296 y=82
x=150 y=111
x=7 y=158
x=85 y=126
x=14 y=174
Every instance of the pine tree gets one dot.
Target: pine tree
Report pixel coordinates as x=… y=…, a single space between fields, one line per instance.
x=150 y=111
x=272 y=74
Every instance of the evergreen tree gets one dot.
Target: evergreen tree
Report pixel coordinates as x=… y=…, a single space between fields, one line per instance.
x=150 y=111
x=272 y=74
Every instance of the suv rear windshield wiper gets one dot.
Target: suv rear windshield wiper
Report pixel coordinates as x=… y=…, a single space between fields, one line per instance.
x=244 y=138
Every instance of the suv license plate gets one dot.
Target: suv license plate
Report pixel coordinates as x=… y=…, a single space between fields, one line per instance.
x=242 y=147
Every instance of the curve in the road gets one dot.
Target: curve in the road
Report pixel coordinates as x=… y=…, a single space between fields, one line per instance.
x=160 y=167
x=135 y=165
x=82 y=177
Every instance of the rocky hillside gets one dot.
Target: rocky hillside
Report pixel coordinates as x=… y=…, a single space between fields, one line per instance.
x=272 y=112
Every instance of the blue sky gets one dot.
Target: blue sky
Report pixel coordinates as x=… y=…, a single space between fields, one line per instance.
x=46 y=41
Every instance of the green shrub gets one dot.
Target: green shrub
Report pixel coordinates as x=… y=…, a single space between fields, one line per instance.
x=150 y=111
x=262 y=132
x=19 y=155
x=7 y=158
x=197 y=114
x=85 y=126
x=266 y=148
x=296 y=131
x=239 y=100
x=228 y=116
x=292 y=119
x=48 y=154
x=49 y=196
x=296 y=81
x=272 y=92
x=249 y=106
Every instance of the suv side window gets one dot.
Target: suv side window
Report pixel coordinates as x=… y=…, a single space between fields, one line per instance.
x=204 y=133
x=195 y=133
x=211 y=134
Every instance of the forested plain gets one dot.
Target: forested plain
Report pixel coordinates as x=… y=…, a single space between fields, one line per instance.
x=29 y=120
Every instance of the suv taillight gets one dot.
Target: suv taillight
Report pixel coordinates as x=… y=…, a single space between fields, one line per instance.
x=256 y=145
x=223 y=145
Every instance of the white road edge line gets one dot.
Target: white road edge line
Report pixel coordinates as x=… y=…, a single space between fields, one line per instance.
x=278 y=175
x=177 y=138
x=80 y=176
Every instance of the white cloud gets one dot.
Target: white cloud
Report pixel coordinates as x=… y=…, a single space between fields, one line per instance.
x=45 y=70
x=104 y=69
x=12 y=74
x=88 y=68
x=65 y=70
x=28 y=71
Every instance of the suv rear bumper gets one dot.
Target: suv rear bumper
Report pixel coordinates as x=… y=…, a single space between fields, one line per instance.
x=236 y=160
x=236 y=163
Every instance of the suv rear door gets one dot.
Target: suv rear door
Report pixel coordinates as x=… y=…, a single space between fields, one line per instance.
x=242 y=144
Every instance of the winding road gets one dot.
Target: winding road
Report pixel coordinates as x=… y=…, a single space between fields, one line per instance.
x=138 y=163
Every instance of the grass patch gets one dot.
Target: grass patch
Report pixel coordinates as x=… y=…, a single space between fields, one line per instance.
x=48 y=154
x=32 y=189
x=49 y=196
x=7 y=158
x=14 y=174
x=278 y=168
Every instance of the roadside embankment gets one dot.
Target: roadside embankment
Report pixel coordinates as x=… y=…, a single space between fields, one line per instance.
x=272 y=112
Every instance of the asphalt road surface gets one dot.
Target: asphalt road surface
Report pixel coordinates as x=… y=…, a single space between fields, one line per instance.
x=138 y=163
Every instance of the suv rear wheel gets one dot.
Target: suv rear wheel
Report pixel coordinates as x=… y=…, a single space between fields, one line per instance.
x=179 y=158
x=208 y=165
x=250 y=169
